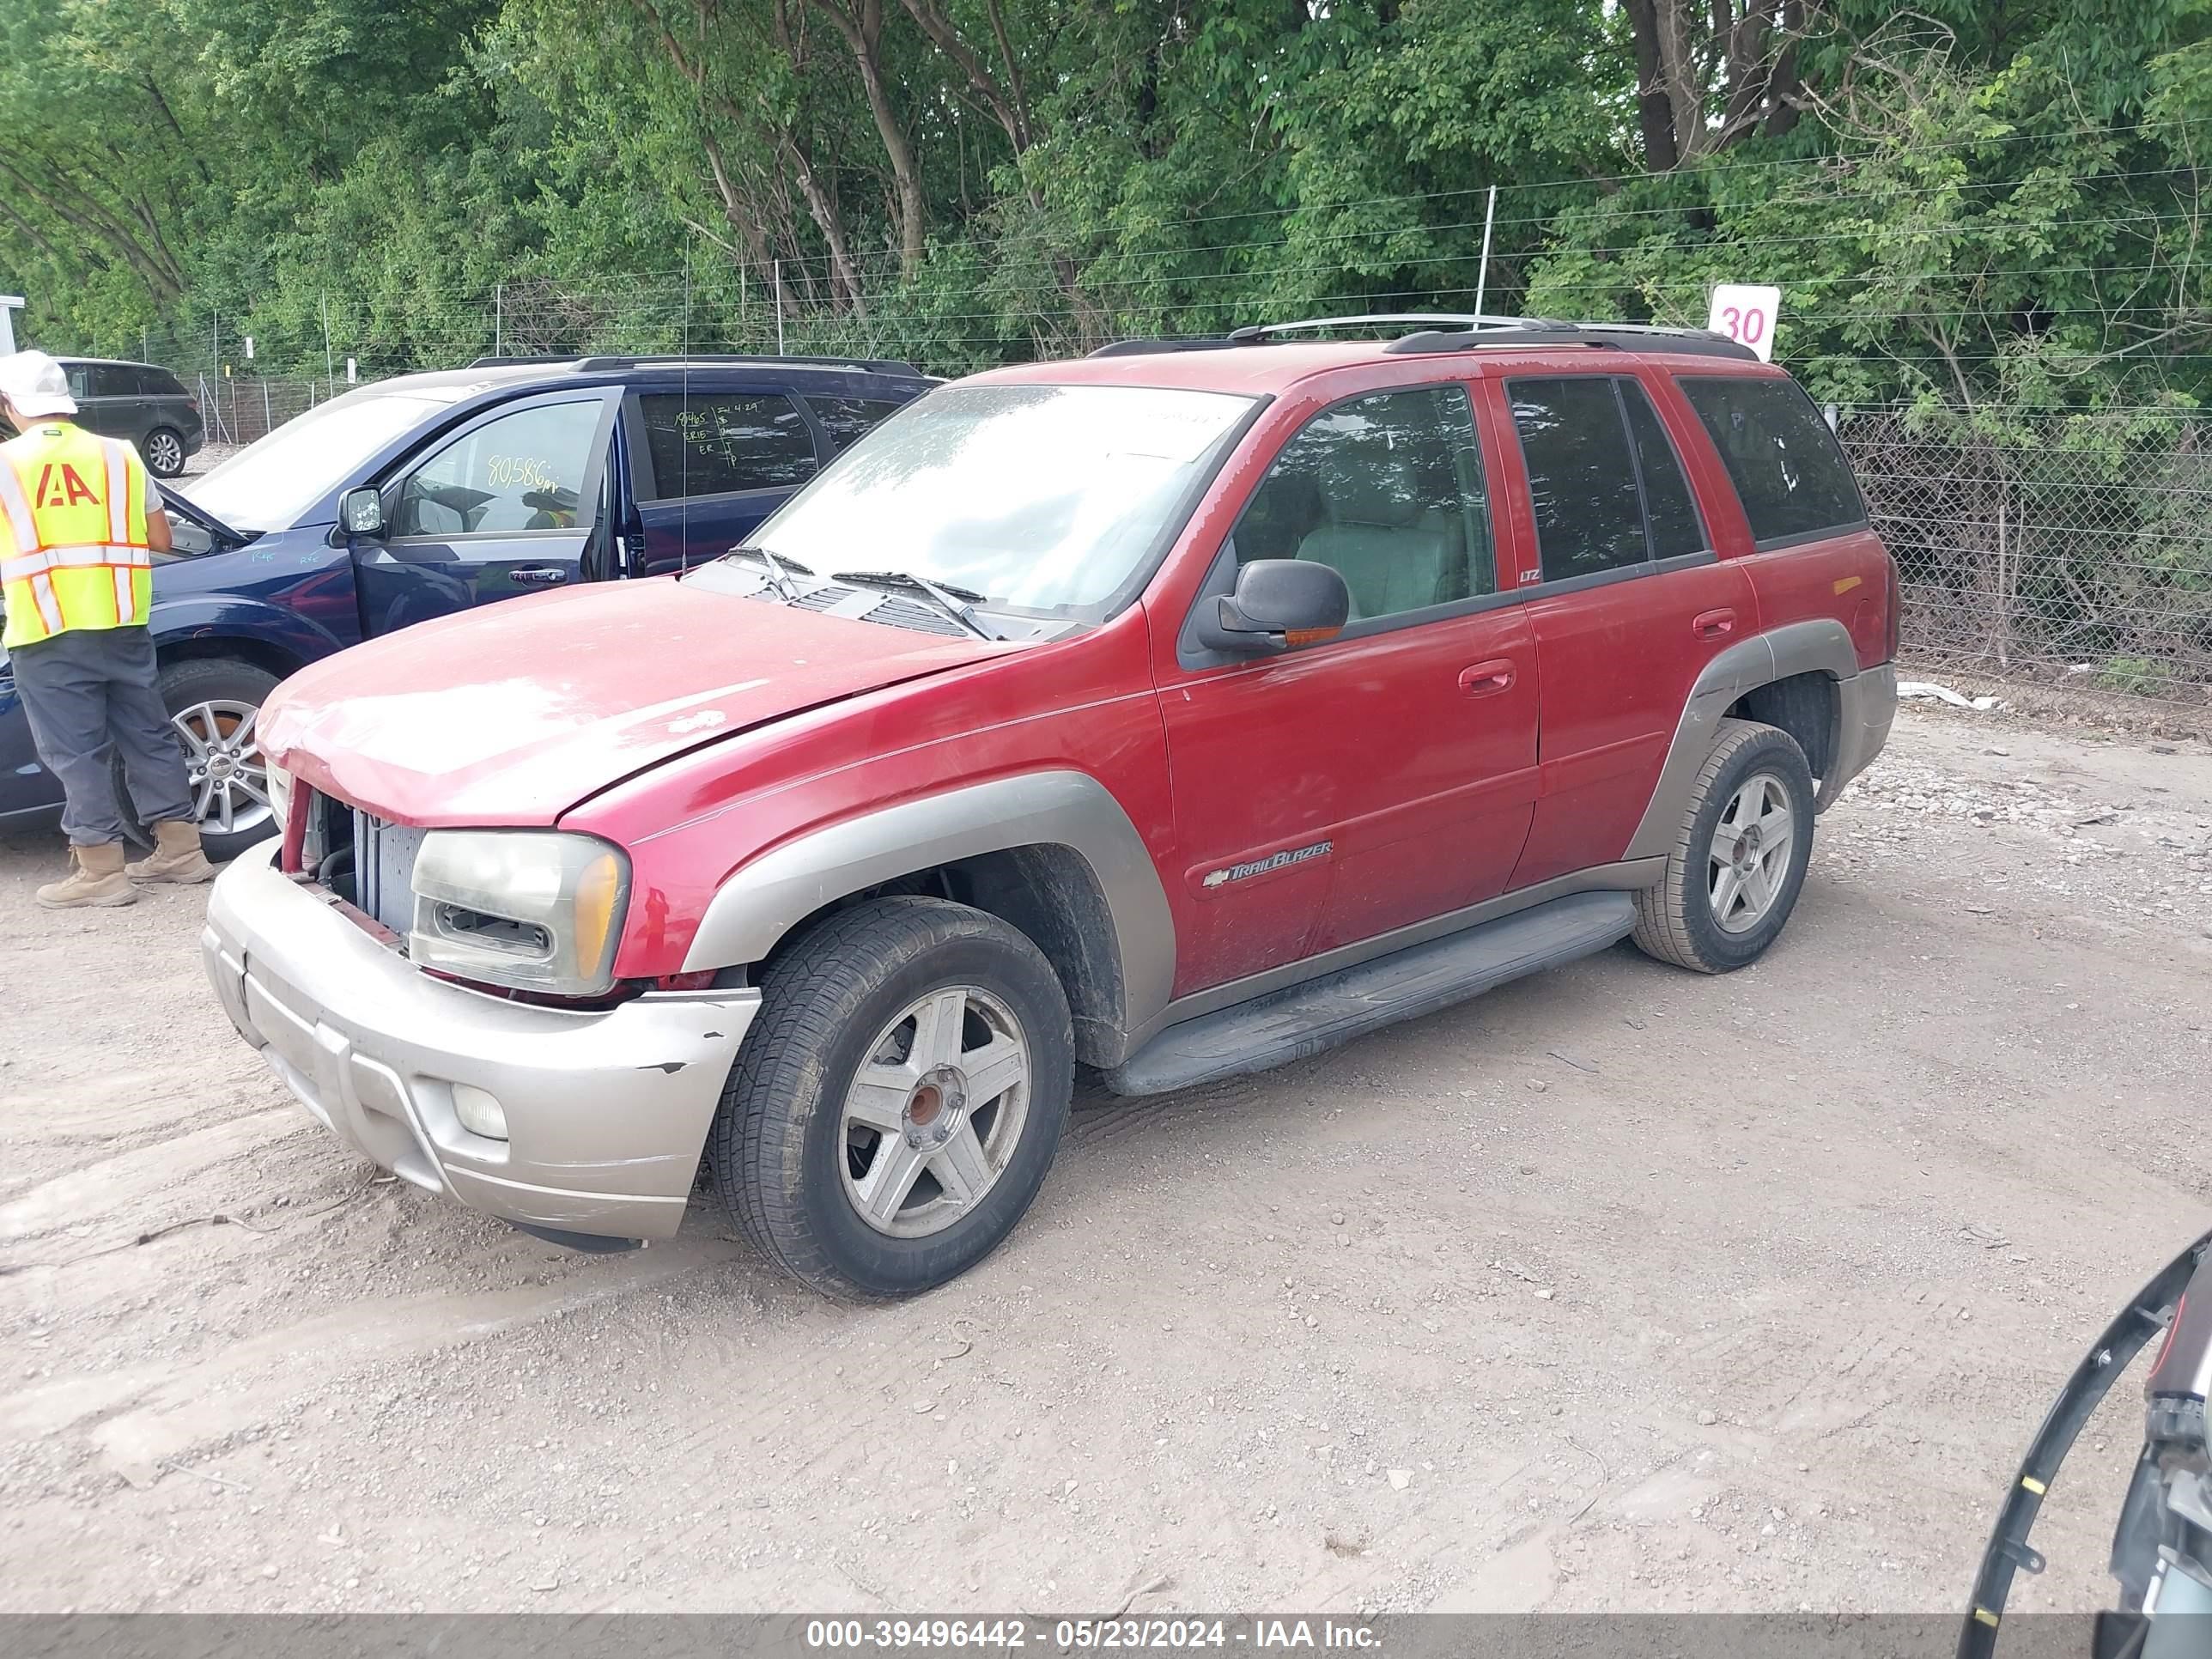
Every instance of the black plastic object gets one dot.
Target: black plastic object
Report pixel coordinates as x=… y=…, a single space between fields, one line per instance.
x=2008 y=1552
x=1498 y=331
x=1693 y=342
x=584 y=1243
x=592 y=364
x=1276 y=601
x=1307 y=1019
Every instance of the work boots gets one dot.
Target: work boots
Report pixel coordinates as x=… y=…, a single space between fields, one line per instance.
x=98 y=878
x=177 y=855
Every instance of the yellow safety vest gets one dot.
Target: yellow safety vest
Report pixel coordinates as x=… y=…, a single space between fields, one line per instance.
x=73 y=543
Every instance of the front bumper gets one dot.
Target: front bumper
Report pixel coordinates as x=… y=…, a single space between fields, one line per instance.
x=1866 y=709
x=607 y=1112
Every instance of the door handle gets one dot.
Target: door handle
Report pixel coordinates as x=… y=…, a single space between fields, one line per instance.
x=1714 y=624
x=539 y=575
x=1486 y=679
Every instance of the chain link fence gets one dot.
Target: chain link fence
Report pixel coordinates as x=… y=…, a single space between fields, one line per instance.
x=2071 y=551
x=240 y=409
x=2068 y=550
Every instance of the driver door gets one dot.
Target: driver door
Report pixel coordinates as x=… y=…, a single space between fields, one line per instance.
x=510 y=503
x=1379 y=780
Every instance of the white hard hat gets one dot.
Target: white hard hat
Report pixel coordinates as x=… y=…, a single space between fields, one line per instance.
x=35 y=386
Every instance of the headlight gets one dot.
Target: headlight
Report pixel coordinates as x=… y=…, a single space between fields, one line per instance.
x=280 y=796
x=532 y=908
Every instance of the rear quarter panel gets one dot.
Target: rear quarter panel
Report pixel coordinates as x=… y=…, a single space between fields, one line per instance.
x=1844 y=575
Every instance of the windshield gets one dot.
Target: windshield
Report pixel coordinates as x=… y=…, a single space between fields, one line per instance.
x=268 y=485
x=1044 y=497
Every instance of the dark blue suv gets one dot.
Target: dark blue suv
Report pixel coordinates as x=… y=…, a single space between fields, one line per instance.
x=431 y=493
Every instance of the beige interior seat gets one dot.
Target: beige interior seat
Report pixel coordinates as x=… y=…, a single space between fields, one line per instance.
x=1382 y=535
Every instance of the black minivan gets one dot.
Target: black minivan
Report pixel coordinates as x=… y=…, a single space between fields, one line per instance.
x=141 y=404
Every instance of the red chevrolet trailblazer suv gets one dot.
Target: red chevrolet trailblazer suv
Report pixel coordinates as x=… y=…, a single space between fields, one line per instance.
x=1177 y=712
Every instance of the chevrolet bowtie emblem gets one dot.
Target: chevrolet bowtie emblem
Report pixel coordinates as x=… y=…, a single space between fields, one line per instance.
x=1319 y=849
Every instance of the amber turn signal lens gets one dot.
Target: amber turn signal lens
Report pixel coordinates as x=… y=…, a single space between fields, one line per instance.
x=1309 y=636
x=599 y=884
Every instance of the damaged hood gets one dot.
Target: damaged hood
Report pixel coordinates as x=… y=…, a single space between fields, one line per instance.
x=511 y=715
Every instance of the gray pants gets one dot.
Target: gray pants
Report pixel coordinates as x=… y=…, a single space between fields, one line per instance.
x=89 y=695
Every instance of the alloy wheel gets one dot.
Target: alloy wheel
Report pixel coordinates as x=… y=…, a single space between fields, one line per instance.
x=935 y=1112
x=223 y=762
x=1750 y=857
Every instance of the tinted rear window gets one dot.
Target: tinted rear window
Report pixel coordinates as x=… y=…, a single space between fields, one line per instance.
x=1581 y=478
x=846 y=419
x=1788 y=470
x=160 y=383
x=1668 y=508
x=722 y=443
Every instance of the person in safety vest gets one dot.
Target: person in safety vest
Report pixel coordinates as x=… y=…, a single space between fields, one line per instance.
x=80 y=523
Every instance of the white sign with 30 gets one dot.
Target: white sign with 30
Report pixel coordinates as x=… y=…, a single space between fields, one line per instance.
x=1745 y=313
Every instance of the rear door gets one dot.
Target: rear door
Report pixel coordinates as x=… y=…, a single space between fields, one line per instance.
x=707 y=466
x=1627 y=600
x=107 y=398
x=1813 y=553
x=508 y=503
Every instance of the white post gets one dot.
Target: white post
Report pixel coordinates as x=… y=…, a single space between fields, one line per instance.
x=329 y=367
x=1482 y=272
x=498 y=318
x=776 y=285
x=9 y=305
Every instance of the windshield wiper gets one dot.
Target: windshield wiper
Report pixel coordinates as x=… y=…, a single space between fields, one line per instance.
x=778 y=570
x=952 y=601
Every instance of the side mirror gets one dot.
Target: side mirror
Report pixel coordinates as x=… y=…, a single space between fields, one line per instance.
x=1279 y=602
x=361 y=512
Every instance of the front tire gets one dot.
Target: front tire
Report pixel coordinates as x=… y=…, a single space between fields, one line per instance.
x=163 y=451
x=1736 y=867
x=898 y=1101
x=215 y=707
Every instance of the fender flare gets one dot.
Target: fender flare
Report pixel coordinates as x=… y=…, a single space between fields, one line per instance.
x=251 y=622
x=1822 y=646
x=762 y=900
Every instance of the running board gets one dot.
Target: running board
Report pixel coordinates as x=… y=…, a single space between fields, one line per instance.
x=1307 y=1019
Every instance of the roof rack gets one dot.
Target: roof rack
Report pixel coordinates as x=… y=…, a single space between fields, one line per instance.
x=588 y=364
x=1469 y=320
x=1465 y=331
x=1620 y=336
x=1148 y=348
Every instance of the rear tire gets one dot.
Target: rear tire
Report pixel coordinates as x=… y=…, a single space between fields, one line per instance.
x=913 y=992
x=211 y=696
x=163 y=451
x=1736 y=866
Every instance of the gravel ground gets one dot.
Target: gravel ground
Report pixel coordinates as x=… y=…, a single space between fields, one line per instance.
x=1616 y=1289
x=206 y=460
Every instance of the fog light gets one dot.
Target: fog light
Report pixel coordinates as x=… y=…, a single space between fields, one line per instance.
x=479 y=1112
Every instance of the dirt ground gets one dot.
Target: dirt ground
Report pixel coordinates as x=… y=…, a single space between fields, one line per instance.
x=1617 y=1288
